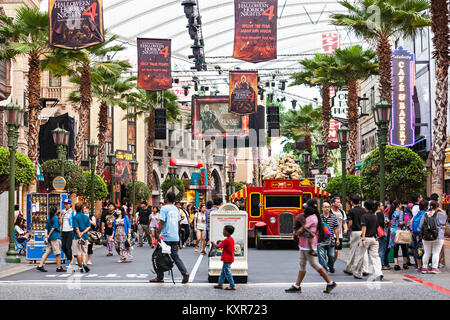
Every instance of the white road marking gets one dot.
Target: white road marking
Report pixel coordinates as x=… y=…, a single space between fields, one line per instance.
x=110 y=275
x=194 y=270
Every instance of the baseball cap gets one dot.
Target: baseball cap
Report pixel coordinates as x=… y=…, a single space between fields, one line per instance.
x=68 y=201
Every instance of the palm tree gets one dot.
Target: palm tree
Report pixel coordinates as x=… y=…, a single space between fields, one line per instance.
x=304 y=122
x=381 y=21
x=439 y=26
x=316 y=74
x=353 y=64
x=27 y=35
x=69 y=62
x=145 y=102
x=111 y=89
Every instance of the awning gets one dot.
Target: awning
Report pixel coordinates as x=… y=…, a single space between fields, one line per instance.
x=241 y=194
x=321 y=193
x=359 y=165
x=39 y=175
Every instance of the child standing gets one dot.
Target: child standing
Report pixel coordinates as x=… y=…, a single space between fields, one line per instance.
x=227 y=257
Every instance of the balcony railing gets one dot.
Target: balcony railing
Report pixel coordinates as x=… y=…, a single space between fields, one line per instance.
x=53 y=92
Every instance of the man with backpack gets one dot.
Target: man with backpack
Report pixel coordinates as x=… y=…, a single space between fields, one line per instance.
x=417 y=233
x=169 y=221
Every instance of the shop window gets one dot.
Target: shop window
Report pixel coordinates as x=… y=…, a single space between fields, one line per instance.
x=53 y=81
x=306 y=197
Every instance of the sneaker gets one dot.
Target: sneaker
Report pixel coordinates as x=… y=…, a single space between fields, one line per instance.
x=109 y=254
x=41 y=269
x=424 y=271
x=365 y=274
x=405 y=266
x=348 y=272
x=357 y=277
x=230 y=288
x=185 y=278
x=397 y=267
x=436 y=271
x=61 y=270
x=419 y=269
x=86 y=268
x=379 y=278
x=81 y=270
x=330 y=287
x=410 y=264
x=332 y=270
x=89 y=263
x=294 y=289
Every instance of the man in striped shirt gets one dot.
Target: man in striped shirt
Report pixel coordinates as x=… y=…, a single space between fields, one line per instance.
x=326 y=248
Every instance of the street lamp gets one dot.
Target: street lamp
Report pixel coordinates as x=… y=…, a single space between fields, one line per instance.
x=382 y=115
x=14 y=118
x=320 y=150
x=231 y=175
x=306 y=161
x=343 y=141
x=134 y=166
x=93 y=152
x=172 y=174
x=61 y=138
x=112 y=166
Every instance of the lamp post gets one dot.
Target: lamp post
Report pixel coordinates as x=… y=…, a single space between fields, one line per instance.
x=306 y=161
x=382 y=115
x=172 y=173
x=343 y=141
x=134 y=166
x=112 y=166
x=14 y=117
x=93 y=152
x=61 y=139
x=320 y=150
x=231 y=175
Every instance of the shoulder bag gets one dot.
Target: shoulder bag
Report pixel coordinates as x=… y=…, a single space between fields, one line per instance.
x=403 y=237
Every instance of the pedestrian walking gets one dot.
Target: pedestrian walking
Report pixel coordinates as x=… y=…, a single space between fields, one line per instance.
x=417 y=234
x=397 y=222
x=169 y=219
x=369 y=243
x=81 y=227
x=341 y=217
x=53 y=240
x=200 y=228
x=432 y=225
x=107 y=221
x=314 y=224
x=184 y=227
x=354 y=224
x=122 y=236
x=382 y=241
x=227 y=258
x=192 y=212
x=154 y=225
x=93 y=222
x=143 y=222
x=326 y=248
x=66 y=221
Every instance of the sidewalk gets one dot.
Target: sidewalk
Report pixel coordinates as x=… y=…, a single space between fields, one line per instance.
x=7 y=269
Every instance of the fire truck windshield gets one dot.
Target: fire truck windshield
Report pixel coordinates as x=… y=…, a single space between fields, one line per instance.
x=282 y=202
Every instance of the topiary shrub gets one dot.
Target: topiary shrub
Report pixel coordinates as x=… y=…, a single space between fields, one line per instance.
x=25 y=170
x=352 y=186
x=142 y=191
x=76 y=180
x=100 y=187
x=167 y=184
x=404 y=173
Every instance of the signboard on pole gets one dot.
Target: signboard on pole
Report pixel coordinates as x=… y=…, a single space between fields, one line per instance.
x=154 y=64
x=321 y=181
x=403 y=82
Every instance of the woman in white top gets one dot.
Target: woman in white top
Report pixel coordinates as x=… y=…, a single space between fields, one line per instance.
x=200 y=227
x=154 y=224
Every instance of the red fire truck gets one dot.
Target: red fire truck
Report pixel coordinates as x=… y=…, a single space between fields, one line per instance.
x=273 y=208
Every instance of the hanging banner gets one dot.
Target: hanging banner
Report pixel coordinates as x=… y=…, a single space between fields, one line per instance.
x=154 y=64
x=75 y=24
x=403 y=82
x=123 y=167
x=255 y=33
x=243 y=90
x=331 y=42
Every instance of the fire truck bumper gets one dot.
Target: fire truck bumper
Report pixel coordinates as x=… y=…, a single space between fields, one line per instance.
x=275 y=237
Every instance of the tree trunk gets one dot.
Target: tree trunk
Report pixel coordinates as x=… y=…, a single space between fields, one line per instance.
x=102 y=129
x=34 y=107
x=308 y=141
x=326 y=117
x=384 y=53
x=439 y=11
x=150 y=150
x=83 y=112
x=353 y=125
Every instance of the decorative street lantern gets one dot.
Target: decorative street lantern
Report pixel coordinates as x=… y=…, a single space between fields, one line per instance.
x=343 y=141
x=134 y=166
x=306 y=161
x=112 y=166
x=320 y=150
x=93 y=152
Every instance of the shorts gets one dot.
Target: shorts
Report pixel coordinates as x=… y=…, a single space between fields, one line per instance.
x=305 y=257
x=153 y=228
x=201 y=230
x=339 y=247
x=79 y=249
x=54 y=247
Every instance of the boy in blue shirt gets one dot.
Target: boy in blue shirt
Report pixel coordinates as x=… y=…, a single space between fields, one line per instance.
x=81 y=227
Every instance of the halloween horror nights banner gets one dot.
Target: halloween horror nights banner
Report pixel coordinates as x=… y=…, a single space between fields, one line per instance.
x=243 y=92
x=75 y=24
x=403 y=82
x=123 y=167
x=154 y=64
x=255 y=34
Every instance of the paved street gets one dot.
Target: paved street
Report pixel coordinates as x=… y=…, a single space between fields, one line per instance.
x=270 y=272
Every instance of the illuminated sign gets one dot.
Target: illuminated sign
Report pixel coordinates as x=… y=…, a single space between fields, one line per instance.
x=403 y=81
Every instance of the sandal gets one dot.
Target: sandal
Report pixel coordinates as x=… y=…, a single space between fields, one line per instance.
x=217 y=286
x=230 y=288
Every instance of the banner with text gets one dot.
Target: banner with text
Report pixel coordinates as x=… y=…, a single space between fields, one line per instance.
x=255 y=34
x=403 y=82
x=122 y=173
x=154 y=64
x=243 y=92
x=75 y=24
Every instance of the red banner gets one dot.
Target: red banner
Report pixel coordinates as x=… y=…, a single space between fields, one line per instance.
x=243 y=92
x=255 y=34
x=75 y=24
x=331 y=42
x=154 y=64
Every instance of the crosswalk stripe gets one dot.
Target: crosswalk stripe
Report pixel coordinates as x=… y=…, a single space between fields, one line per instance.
x=194 y=270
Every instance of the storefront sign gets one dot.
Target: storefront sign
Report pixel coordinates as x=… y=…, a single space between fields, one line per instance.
x=75 y=24
x=255 y=34
x=243 y=92
x=59 y=183
x=185 y=163
x=123 y=167
x=154 y=64
x=331 y=42
x=403 y=82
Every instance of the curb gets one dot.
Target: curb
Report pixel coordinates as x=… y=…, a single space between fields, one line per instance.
x=12 y=271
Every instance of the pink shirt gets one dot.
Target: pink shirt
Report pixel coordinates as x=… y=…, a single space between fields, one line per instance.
x=311 y=224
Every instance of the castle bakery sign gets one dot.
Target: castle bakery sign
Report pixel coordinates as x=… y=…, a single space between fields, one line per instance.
x=403 y=82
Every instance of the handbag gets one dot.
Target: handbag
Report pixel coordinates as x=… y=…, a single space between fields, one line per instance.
x=95 y=237
x=403 y=237
x=380 y=232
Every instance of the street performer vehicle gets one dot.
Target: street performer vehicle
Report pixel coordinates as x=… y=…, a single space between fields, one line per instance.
x=273 y=207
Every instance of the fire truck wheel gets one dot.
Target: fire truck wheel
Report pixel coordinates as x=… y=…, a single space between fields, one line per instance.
x=259 y=241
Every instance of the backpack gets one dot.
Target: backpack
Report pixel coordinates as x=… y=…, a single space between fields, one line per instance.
x=415 y=226
x=162 y=261
x=429 y=228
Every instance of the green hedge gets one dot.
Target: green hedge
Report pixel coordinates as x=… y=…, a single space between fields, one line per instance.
x=142 y=191
x=25 y=170
x=353 y=185
x=100 y=188
x=167 y=184
x=76 y=180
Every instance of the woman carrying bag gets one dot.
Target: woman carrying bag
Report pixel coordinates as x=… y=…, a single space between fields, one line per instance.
x=397 y=237
x=121 y=235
